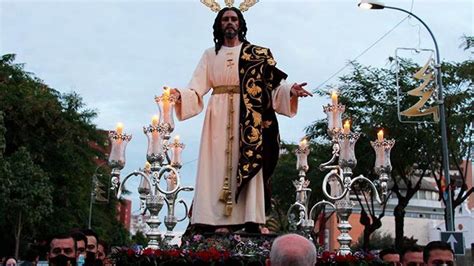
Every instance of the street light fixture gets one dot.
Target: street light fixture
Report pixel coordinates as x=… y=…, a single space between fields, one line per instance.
x=367 y=4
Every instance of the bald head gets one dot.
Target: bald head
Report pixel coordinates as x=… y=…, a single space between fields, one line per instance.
x=292 y=249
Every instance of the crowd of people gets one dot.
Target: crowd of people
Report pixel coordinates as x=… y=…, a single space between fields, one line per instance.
x=83 y=248
x=78 y=247
x=435 y=253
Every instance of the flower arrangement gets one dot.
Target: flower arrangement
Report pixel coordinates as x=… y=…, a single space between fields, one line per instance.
x=357 y=258
x=224 y=250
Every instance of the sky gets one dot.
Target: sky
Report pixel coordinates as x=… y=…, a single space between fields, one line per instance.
x=118 y=54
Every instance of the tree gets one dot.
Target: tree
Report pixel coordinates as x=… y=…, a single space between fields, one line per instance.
x=371 y=103
x=460 y=79
x=27 y=198
x=378 y=241
x=55 y=130
x=368 y=217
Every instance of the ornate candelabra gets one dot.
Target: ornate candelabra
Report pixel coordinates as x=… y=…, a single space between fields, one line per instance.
x=159 y=166
x=339 y=179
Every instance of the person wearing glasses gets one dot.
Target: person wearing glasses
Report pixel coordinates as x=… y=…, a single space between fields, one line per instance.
x=412 y=256
x=438 y=253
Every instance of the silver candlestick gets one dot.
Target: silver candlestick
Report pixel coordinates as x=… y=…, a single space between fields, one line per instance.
x=340 y=179
x=159 y=166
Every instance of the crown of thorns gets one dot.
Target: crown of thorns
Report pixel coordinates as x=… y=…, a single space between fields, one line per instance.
x=214 y=6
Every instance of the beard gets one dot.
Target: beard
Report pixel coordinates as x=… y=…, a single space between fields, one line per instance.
x=230 y=33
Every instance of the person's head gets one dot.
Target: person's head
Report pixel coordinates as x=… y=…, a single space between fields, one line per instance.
x=92 y=240
x=438 y=253
x=229 y=23
x=412 y=256
x=101 y=250
x=62 y=250
x=81 y=242
x=10 y=261
x=292 y=249
x=390 y=255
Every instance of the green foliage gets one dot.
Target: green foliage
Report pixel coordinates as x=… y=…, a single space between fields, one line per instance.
x=378 y=241
x=55 y=130
x=3 y=130
x=140 y=239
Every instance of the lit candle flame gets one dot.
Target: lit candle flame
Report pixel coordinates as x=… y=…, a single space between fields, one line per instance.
x=154 y=120
x=303 y=143
x=347 y=126
x=166 y=93
x=380 y=135
x=147 y=166
x=119 y=128
x=176 y=139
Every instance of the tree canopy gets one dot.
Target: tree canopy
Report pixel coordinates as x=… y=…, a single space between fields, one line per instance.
x=46 y=137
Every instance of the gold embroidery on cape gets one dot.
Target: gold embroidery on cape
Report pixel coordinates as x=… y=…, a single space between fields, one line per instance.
x=250 y=132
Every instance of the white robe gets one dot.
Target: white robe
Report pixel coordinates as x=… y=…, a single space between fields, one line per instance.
x=222 y=70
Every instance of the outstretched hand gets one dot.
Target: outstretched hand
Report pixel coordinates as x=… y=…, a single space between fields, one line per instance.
x=298 y=91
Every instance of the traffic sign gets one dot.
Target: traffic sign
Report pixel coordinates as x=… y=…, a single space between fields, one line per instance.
x=455 y=239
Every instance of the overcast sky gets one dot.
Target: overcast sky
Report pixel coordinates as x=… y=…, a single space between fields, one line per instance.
x=119 y=54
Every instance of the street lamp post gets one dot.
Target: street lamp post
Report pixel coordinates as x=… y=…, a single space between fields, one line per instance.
x=444 y=141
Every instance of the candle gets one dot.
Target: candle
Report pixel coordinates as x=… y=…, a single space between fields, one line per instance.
x=171 y=181
x=166 y=105
x=380 y=135
x=147 y=167
x=302 y=155
x=303 y=143
x=177 y=148
x=334 y=98
x=154 y=120
x=155 y=142
x=119 y=128
x=347 y=127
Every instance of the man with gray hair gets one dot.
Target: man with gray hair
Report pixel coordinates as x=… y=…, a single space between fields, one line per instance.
x=292 y=249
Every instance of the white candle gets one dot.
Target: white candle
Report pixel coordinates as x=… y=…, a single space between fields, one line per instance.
x=334 y=98
x=166 y=105
x=176 y=147
x=302 y=155
x=171 y=181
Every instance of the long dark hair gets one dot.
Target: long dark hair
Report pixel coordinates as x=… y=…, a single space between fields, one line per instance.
x=219 y=33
